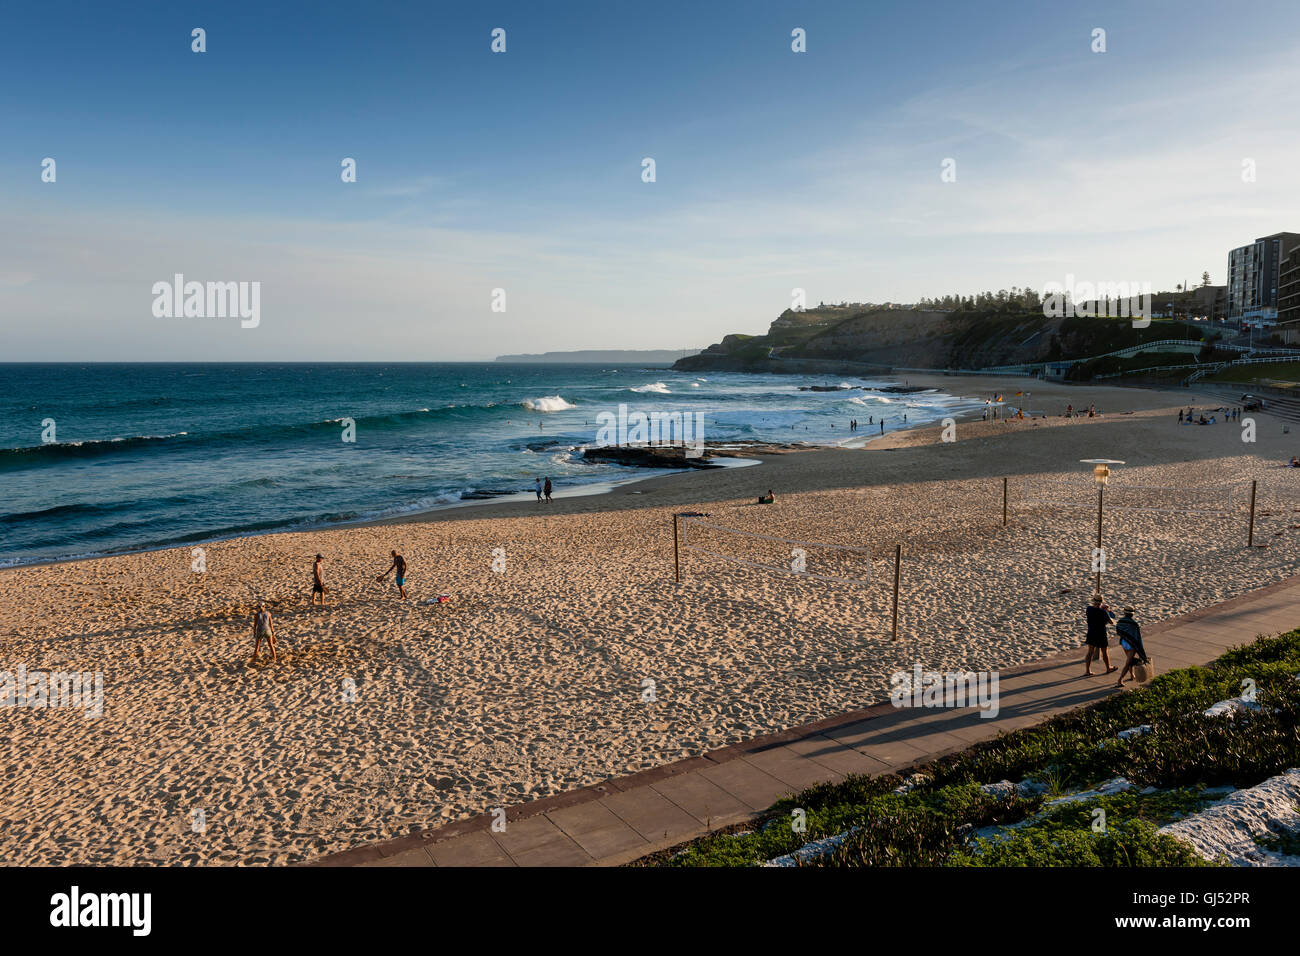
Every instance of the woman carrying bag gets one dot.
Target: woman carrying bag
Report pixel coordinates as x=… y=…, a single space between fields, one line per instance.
x=1130 y=638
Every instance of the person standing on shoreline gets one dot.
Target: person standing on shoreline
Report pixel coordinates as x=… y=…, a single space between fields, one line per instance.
x=398 y=565
x=1098 y=616
x=546 y=489
x=539 y=488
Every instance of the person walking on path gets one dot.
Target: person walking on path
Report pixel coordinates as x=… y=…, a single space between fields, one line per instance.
x=318 y=581
x=1099 y=616
x=546 y=489
x=1130 y=639
x=263 y=629
x=398 y=565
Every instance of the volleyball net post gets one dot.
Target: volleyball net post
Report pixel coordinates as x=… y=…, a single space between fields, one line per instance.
x=1250 y=535
x=898 y=563
x=677 y=553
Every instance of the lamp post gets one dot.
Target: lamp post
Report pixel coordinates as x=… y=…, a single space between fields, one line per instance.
x=1101 y=472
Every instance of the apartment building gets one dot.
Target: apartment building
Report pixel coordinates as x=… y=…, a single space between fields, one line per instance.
x=1253 y=273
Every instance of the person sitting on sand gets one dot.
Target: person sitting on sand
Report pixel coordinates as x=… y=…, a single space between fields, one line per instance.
x=1295 y=462
x=767 y=499
x=318 y=581
x=398 y=565
x=1130 y=639
x=1098 y=615
x=263 y=628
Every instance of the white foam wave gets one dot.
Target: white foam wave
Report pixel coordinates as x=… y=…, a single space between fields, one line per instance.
x=659 y=387
x=547 y=403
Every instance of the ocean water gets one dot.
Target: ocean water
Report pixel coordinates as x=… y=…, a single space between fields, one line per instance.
x=152 y=455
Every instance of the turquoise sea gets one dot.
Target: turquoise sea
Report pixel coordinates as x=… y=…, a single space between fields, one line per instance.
x=105 y=458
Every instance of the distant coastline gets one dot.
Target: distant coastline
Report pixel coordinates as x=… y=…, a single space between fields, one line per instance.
x=595 y=356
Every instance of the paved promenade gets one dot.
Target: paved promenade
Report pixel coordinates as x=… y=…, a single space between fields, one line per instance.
x=627 y=817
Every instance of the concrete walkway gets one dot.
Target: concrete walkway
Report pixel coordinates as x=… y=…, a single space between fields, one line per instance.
x=625 y=818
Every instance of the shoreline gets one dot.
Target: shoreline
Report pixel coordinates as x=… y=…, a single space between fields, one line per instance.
x=593 y=489
x=515 y=504
x=609 y=489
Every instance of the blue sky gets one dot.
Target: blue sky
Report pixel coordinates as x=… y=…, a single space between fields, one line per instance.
x=522 y=170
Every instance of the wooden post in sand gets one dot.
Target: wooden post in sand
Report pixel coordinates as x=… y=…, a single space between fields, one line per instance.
x=898 y=560
x=677 y=555
x=1004 y=502
x=1250 y=540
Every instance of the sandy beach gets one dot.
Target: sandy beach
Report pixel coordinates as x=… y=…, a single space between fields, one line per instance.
x=382 y=716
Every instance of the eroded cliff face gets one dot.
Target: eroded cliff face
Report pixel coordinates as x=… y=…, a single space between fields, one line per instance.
x=798 y=341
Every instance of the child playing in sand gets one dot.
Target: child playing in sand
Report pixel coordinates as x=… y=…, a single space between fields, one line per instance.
x=263 y=628
x=1099 y=616
x=398 y=565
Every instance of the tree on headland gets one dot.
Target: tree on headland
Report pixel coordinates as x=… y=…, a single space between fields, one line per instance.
x=1205 y=279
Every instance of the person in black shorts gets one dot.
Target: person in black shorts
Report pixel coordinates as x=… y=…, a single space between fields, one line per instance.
x=1099 y=616
x=398 y=565
x=318 y=581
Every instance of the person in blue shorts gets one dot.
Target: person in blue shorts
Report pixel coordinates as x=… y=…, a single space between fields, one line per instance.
x=398 y=565
x=1130 y=639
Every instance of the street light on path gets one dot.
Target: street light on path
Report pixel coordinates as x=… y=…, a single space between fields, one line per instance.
x=1101 y=472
